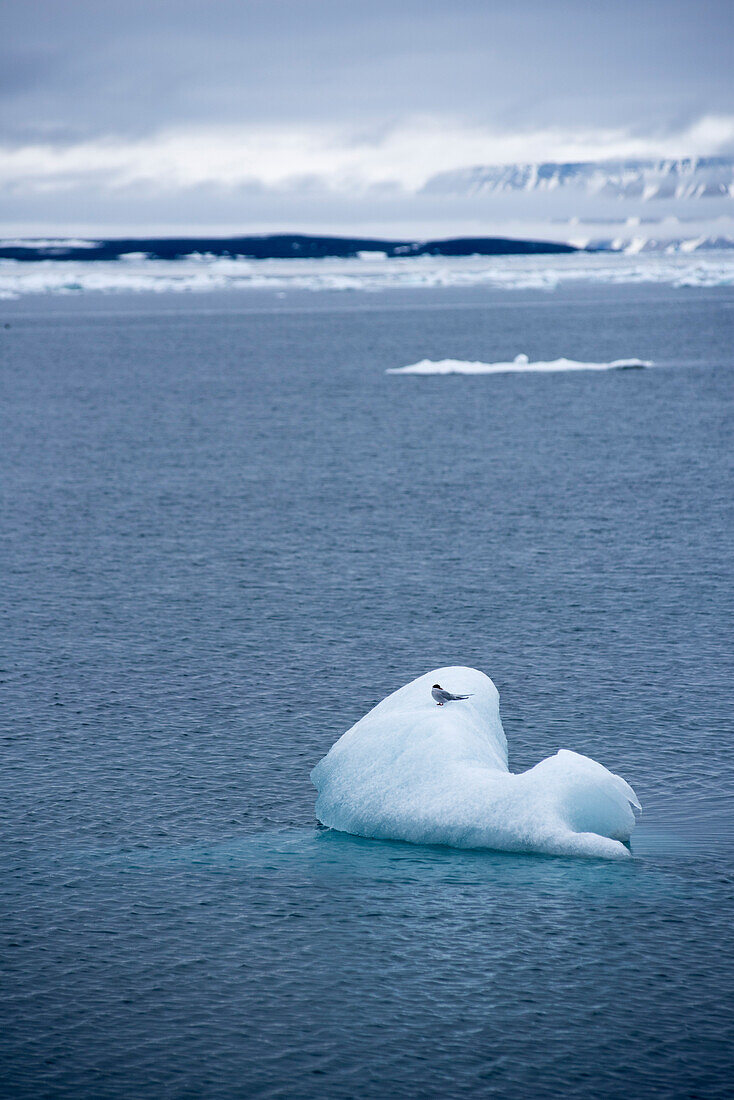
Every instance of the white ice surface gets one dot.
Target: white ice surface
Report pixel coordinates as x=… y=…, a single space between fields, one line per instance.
x=200 y=273
x=519 y=365
x=410 y=770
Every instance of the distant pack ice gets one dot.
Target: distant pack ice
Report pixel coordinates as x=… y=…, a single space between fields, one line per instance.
x=412 y=771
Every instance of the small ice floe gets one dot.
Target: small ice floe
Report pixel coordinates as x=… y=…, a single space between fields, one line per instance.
x=520 y=364
x=414 y=771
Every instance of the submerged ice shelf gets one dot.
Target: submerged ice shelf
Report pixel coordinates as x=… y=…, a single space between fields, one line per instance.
x=410 y=770
x=519 y=365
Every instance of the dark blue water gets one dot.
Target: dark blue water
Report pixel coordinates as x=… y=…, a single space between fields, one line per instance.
x=226 y=534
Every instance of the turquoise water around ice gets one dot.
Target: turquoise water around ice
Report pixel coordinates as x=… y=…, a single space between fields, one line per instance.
x=227 y=533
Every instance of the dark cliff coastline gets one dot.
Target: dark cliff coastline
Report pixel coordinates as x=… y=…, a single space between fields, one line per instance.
x=278 y=246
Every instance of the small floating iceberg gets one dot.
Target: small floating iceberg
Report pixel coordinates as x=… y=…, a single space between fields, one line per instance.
x=410 y=770
x=520 y=365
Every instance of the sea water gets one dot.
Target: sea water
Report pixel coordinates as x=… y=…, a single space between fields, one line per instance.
x=227 y=533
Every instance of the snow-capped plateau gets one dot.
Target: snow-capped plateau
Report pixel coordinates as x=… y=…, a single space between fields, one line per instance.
x=681 y=178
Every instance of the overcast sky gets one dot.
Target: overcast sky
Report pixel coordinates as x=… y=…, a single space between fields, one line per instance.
x=264 y=112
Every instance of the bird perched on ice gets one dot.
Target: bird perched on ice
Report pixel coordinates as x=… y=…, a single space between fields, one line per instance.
x=442 y=696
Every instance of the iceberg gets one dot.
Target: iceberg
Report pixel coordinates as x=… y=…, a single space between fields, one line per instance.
x=414 y=771
x=520 y=364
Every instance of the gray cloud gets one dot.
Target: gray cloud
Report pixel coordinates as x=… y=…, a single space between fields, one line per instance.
x=109 y=73
x=90 y=67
